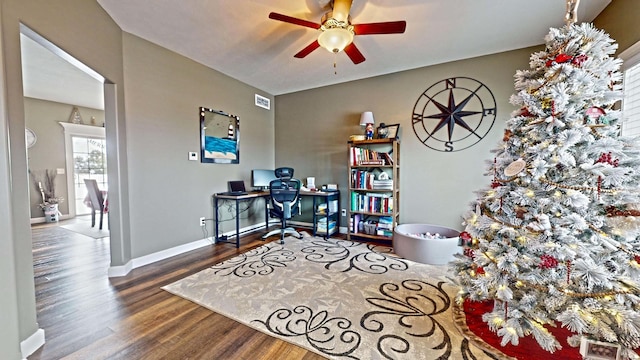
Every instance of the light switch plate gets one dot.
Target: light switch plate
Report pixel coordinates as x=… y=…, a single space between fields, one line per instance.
x=193 y=156
x=60 y=171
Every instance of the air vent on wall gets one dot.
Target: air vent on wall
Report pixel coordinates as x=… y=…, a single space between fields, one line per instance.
x=263 y=102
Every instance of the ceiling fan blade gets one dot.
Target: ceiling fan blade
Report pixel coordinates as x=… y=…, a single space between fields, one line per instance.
x=306 y=51
x=292 y=20
x=391 y=27
x=354 y=54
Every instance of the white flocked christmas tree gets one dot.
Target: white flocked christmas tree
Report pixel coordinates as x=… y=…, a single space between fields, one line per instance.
x=554 y=240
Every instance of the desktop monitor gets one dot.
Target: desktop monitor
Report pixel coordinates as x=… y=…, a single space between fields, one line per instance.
x=260 y=178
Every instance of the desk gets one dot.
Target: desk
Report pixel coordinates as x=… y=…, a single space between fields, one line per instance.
x=327 y=197
x=238 y=199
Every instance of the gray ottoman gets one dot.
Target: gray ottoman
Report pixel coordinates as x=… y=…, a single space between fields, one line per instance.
x=424 y=250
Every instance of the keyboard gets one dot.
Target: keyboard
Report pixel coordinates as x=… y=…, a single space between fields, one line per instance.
x=234 y=193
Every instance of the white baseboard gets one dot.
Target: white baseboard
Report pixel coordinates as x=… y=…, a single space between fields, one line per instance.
x=32 y=343
x=123 y=270
x=118 y=271
x=41 y=220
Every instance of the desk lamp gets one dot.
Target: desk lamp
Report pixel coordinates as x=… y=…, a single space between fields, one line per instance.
x=366 y=121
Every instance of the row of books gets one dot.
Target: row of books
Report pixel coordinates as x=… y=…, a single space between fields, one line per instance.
x=322 y=227
x=382 y=227
x=361 y=179
x=322 y=208
x=372 y=203
x=363 y=156
x=383 y=184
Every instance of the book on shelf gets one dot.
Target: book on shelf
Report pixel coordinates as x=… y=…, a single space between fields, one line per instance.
x=324 y=227
x=371 y=202
x=383 y=184
x=361 y=179
x=332 y=208
x=362 y=156
x=384 y=232
x=356 y=223
x=388 y=158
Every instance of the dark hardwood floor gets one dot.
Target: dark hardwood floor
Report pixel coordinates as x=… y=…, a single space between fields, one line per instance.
x=87 y=315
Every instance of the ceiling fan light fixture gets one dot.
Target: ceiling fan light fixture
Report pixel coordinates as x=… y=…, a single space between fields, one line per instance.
x=336 y=35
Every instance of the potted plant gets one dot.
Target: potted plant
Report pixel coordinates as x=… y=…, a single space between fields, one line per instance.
x=47 y=187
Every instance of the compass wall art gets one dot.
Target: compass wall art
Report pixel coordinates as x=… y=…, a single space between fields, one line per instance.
x=454 y=114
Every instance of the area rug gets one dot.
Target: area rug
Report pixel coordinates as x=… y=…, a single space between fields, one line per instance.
x=85 y=228
x=338 y=298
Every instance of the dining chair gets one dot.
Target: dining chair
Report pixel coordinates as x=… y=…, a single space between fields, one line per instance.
x=97 y=201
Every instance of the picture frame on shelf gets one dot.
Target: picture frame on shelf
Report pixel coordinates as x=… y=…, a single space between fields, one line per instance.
x=392 y=131
x=381 y=131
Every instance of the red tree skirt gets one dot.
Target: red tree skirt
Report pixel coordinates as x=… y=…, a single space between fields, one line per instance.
x=528 y=347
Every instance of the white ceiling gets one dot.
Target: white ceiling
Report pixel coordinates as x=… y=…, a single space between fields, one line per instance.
x=238 y=39
x=48 y=76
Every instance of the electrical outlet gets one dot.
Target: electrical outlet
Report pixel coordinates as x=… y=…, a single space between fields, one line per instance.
x=344 y=212
x=201 y=221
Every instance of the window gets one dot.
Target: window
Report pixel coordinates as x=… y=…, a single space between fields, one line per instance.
x=89 y=162
x=631 y=87
x=86 y=159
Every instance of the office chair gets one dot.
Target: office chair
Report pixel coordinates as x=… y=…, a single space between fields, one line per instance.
x=285 y=201
x=97 y=201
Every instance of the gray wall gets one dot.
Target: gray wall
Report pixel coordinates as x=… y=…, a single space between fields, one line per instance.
x=620 y=20
x=43 y=117
x=435 y=187
x=10 y=335
x=169 y=193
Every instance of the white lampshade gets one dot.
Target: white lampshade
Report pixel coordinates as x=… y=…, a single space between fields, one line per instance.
x=335 y=39
x=366 y=118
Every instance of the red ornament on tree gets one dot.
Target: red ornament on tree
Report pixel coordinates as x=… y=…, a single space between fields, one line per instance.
x=637 y=258
x=578 y=60
x=525 y=112
x=606 y=159
x=547 y=262
x=480 y=270
x=563 y=58
x=468 y=252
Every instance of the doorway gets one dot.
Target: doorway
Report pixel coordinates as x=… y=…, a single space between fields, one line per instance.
x=57 y=90
x=55 y=86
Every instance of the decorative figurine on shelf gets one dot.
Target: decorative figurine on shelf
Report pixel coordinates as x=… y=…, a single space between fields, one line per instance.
x=369 y=132
x=75 y=117
x=366 y=121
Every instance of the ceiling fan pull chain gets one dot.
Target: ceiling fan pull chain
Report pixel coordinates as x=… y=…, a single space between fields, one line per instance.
x=335 y=65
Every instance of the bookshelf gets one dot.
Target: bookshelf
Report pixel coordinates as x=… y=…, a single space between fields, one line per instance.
x=374 y=188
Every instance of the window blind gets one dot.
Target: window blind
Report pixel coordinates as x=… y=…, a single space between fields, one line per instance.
x=631 y=102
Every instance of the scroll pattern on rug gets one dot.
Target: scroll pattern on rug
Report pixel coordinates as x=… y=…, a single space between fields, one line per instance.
x=339 y=298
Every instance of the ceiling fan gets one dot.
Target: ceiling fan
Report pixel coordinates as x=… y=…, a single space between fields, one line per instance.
x=337 y=32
